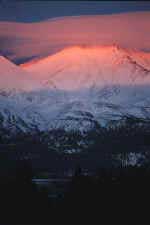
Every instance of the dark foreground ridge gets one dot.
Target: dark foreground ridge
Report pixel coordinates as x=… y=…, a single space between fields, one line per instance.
x=110 y=196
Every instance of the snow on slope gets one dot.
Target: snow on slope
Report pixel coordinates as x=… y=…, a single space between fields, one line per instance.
x=81 y=87
x=82 y=67
x=12 y=77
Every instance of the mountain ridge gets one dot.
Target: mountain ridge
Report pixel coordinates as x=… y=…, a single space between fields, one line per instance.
x=81 y=89
x=14 y=78
x=96 y=64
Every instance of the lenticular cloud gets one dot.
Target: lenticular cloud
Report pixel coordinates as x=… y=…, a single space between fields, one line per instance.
x=23 y=41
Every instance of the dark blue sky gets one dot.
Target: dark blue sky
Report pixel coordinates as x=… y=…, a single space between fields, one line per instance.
x=31 y=11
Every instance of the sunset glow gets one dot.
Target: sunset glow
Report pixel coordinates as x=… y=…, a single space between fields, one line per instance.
x=74 y=112
x=30 y=40
x=71 y=68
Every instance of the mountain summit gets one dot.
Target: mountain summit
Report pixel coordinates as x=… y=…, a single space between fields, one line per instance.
x=79 y=88
x=81 y=67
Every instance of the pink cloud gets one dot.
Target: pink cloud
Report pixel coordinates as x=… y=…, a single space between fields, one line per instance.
x=24 y=40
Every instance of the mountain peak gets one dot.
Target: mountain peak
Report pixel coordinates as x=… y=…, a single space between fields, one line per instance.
x=80 y=87
x=76 y=53
x=83 y=66
x=86 y=47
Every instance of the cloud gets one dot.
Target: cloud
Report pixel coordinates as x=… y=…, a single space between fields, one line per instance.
x=26 y=40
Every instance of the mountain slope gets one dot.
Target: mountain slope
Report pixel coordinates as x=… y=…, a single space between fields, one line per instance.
x=82 y=67
x=12 y=77
x=81 y=88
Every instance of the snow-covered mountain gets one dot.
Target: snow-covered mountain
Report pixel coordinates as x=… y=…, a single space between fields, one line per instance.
x=82 y=67
x=79 y=88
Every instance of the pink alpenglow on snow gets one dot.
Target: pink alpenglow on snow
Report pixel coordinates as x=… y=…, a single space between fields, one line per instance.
x=78 y=67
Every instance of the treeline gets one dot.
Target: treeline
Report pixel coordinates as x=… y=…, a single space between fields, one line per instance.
x=97 y=147
x=123 y=135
